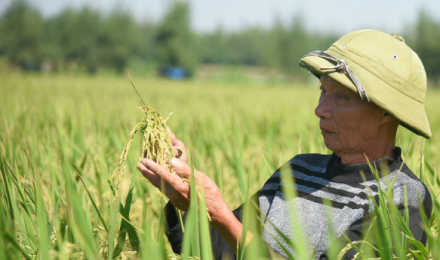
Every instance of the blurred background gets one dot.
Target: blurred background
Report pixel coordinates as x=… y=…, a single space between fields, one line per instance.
x=239 y=41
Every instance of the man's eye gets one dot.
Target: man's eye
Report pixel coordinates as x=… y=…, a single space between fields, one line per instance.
x=339 y=95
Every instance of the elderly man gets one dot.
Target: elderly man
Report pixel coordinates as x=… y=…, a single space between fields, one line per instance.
x=371 y=83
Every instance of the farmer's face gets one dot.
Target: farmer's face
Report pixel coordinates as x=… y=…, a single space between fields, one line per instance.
x=348 y=123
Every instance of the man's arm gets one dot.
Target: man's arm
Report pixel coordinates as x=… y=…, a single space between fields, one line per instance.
x=220 y=248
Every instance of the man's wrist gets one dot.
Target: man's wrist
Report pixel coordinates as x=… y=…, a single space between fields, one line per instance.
x=229 y=227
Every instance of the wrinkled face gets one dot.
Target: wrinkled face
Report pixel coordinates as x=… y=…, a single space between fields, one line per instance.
x=348 y=123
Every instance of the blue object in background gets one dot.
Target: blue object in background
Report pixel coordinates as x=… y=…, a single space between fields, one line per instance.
x=174 y=73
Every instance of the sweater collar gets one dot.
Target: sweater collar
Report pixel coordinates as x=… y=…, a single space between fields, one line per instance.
x=338 y=172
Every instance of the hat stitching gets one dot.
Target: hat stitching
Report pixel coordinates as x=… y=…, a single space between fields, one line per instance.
x=348 y=48
x=387 y=82
x=365 y=31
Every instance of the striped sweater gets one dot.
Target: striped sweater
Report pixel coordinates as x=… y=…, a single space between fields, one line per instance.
x=318 y=178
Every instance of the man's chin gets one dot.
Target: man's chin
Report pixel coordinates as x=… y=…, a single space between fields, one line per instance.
x=330 y=144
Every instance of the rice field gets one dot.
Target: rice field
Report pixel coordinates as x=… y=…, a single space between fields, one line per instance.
x=61 y=137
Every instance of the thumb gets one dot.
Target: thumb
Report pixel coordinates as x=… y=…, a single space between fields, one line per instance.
x=181 y=168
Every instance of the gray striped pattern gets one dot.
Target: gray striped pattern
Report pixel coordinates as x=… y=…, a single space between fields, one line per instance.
x=313 y=215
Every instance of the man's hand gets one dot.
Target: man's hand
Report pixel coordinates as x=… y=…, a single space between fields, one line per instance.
x=178 y=145
x=178 y=191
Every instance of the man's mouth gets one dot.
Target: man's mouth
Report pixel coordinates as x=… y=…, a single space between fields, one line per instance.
x=325 y=131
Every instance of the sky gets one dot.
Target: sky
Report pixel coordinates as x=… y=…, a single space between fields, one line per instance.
x=335 y=16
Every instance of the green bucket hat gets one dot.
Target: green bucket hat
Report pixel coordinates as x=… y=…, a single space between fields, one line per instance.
x=382 y=69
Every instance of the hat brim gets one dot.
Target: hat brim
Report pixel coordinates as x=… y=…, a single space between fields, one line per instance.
x=408 y=111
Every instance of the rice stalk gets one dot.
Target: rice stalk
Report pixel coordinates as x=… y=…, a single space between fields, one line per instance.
x=156 y=142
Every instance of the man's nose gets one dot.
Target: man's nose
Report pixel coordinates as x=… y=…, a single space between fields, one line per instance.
x=323 y=110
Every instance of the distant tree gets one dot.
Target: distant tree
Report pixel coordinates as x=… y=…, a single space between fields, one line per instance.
x=147 y=49
x=212 y=47
x=175 y=40
x=119 y=39
x=249 y=47
x=74 y=36
x=293 y=42
x=424 y=38
x=53 y=49
x=21 y=28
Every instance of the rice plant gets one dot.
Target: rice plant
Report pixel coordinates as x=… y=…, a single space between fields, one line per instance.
x=61 y=138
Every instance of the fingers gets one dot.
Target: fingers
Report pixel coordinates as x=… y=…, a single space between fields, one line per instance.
x=174 y=187
x=181 y=168
x=154 y=172
x=174 y=141
x=161 y=174
x=154 y=167
x=172 y=135
x=177 y=189
x=153 y=178
x=178 y=147
x=177 y=143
